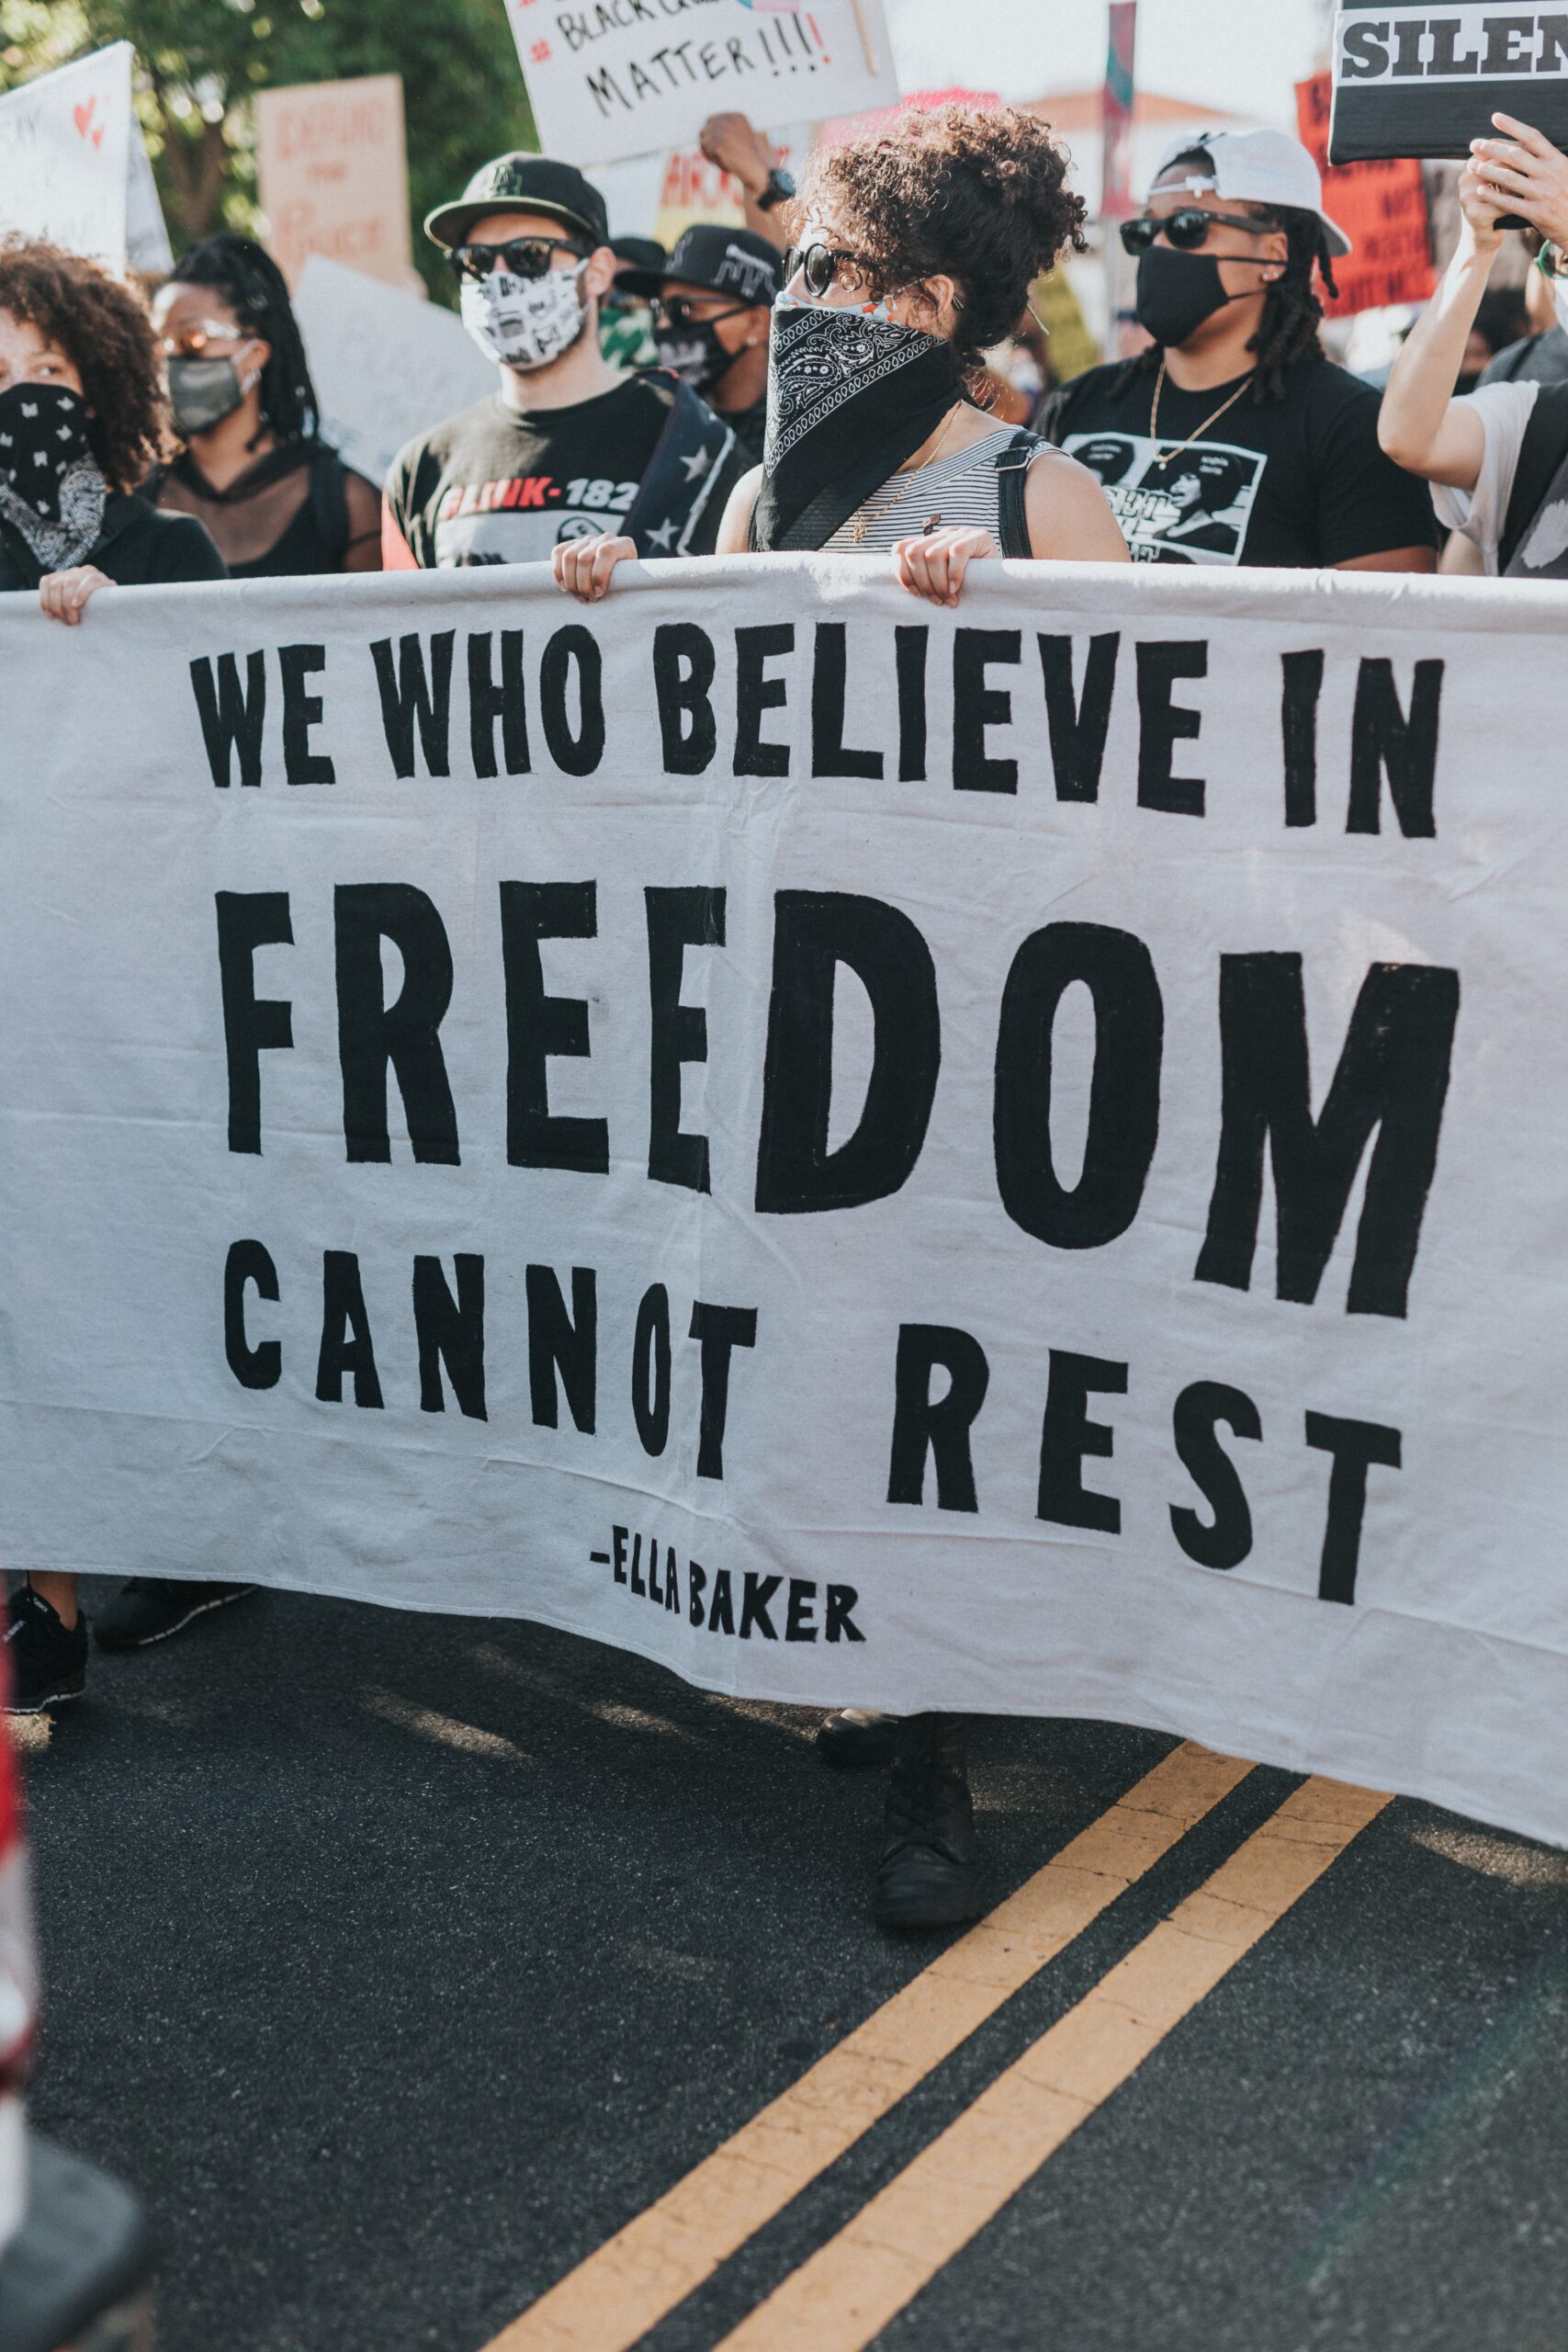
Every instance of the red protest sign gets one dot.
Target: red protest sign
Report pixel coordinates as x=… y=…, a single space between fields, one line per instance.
x=1382 y=207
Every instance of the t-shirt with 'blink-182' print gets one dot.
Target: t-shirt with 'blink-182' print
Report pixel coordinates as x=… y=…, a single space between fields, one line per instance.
x=496 y=485
x=1300 y=481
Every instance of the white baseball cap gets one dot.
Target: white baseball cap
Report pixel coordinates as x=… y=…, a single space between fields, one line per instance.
x=1258 y=167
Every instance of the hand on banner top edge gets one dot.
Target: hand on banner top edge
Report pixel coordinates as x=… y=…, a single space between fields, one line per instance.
x=1526 y=174
x=934 y=565
x=63 y=594
x=584 y=566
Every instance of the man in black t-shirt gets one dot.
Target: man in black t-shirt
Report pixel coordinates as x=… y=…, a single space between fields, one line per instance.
x=1233 y=440
x=567 y=447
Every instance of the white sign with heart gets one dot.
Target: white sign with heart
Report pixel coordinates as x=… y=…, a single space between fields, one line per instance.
x=66 y=154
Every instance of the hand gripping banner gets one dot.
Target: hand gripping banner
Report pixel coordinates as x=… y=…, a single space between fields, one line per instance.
x=1008 y=1158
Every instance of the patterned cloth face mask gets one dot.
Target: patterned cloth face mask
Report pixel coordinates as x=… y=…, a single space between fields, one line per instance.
x=50 y=489
x=524 y=323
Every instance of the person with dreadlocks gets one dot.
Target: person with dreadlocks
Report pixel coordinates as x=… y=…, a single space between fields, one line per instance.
x=276 y=498
x=1231 y=246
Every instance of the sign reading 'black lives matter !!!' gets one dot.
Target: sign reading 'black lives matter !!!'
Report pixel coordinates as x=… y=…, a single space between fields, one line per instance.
x=1007 y=1158
x=1416 y=79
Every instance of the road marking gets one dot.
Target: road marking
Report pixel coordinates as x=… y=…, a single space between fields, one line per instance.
x=848 y=2290
x=612 y=2300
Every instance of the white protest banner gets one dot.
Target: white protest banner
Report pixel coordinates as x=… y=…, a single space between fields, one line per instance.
x=386 y=365
x=332 y=169
x=625 y=77
x=1007 y=1158
x=1413 y=80
x=66 y=154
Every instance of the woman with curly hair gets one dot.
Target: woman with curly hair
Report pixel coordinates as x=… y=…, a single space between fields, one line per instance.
x=82 y=420
x=276 y=497
x=918 y=253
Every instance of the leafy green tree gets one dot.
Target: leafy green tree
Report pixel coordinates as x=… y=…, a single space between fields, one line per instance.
x=199 y=63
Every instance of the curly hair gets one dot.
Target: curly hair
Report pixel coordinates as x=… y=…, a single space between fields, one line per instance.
x=1286 y=334
x=257 y=292
x=979 y=197
x=104 y=330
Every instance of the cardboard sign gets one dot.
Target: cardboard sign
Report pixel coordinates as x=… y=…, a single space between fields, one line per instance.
x=331 y=164
x=386 y=365
x=1381 y=205
x=66 y=154
x=1416 y=79
x=1007 y=1160
x=624 y=78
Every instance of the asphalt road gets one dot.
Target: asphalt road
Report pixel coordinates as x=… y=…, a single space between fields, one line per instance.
x=400 y=1961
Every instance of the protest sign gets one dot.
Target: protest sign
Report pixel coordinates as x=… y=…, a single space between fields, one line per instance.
x=67 y=146
x=1412 y=79
x=1008 y=1157
x=386 y=365
x=332 y=168
x=626 y=78
x=1380 y=206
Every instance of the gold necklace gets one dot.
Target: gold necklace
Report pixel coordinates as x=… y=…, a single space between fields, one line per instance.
x=874 y=507
x=1171 y=455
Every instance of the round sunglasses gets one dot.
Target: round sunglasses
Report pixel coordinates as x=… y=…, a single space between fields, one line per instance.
x=523 y=256
x=1188 y=230
x=818 y=265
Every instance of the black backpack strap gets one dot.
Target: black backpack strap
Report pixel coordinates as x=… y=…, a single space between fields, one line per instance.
x=329 y=500
x=1012 y=478
x=1540 y=456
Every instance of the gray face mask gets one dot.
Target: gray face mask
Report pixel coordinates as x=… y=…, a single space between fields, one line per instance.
x=203 y=391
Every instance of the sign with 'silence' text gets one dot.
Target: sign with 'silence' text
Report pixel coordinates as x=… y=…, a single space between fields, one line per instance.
x=625 y=77
x=1006 y=1157
x=1414 y=79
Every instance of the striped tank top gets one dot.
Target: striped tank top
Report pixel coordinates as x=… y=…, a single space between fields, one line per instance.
x=962 y=490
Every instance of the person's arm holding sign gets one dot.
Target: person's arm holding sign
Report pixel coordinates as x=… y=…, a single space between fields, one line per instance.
x=1469 y=445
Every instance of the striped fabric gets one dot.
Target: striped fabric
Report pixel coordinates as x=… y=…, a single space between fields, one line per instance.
x=962 y=490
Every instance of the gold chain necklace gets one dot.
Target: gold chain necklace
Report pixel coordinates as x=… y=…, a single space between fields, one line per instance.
x=874 y=507
x=1171 y=455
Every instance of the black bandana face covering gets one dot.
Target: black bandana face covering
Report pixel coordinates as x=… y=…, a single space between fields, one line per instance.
x=50 y=489
x=851 y=398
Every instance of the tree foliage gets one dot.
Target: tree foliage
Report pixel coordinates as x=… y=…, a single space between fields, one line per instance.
x=199 y=63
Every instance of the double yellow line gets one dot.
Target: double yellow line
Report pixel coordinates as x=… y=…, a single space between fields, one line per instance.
x=849 y=2290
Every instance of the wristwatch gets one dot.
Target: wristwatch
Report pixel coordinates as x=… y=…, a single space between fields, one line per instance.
x=778 y=190
x=1551 y=261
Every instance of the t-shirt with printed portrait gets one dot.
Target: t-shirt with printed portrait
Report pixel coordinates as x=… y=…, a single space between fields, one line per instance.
x=1300 y=481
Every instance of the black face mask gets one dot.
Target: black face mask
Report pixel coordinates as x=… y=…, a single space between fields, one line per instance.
x=51 y=488
x=696 y=354
x=1178 y=291
x=202 y=391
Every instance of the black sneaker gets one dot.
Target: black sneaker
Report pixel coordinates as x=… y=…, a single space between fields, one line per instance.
x=929 y=1875
x=149 y=1609
x=47 y=1660
x=856 y=1738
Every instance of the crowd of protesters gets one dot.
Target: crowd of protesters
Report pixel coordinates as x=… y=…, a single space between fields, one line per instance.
x=880 y=387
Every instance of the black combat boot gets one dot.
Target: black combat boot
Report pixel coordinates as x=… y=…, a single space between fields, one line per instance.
x=929 y=1875
x=856 y=1738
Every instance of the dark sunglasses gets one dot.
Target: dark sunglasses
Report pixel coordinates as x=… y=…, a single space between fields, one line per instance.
x=523 y=256
x=1188 y=230
x=818 y=265
x=675 y=310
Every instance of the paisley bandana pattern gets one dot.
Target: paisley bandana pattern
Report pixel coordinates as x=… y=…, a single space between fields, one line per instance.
x=50 y=489
x=820 y=358
x=850 y=396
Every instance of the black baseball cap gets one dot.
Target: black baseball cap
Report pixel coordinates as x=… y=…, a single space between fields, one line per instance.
x=520 y=182
x=637 y=253
x=720 y=260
